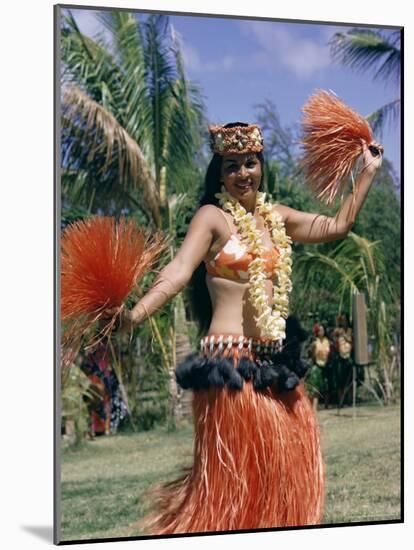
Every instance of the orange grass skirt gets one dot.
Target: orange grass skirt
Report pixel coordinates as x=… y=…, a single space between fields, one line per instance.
x=257 y=464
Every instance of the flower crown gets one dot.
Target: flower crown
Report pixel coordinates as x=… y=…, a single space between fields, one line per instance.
x=239 y=139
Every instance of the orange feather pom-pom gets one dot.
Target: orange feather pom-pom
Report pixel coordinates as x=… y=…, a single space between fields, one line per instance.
x=101 y=262
x=332 y=134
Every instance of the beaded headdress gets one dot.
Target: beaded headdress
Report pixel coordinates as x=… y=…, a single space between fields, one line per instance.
x=239 y=139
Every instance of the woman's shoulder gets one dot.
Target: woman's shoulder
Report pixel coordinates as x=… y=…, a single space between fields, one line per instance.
x=209 y=215
x=282 y=210
x=208 y=210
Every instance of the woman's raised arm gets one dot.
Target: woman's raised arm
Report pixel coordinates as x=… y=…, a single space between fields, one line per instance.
x=317 y=228
x=177 y=274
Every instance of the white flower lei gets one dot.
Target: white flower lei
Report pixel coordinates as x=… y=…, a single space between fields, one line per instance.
x=271 y=319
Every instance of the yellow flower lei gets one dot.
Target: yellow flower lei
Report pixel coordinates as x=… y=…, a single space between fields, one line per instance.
x=271 y=318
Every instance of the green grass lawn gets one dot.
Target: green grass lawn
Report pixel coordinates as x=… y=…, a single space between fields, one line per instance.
x=363 y=463
x=102 y=482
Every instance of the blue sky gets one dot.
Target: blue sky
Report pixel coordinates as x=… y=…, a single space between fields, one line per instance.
x=239 y=63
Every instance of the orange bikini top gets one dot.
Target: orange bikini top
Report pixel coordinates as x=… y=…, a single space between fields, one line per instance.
x=232 y=261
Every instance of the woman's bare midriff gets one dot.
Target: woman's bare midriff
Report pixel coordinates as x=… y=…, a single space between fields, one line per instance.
x=232 y=311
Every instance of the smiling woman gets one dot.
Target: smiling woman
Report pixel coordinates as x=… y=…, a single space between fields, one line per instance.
x=257 y=454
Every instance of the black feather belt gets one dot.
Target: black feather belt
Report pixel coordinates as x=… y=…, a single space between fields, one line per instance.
x=230 y=360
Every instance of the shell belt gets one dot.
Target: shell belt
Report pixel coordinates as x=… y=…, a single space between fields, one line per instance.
x=213 y=343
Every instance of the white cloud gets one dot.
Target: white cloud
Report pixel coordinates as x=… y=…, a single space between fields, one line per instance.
x=194 y=62
x=307 y=58
x=191 y=57
x=280 y=45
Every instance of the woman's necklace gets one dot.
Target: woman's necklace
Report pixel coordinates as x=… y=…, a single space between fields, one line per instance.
x=271 y=318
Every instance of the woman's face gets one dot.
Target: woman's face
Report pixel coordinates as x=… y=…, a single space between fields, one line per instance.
x=321 y=332
x=241 y=175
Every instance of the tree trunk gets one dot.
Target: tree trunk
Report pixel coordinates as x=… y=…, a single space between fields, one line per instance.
x=182 y=349
x=172 y=384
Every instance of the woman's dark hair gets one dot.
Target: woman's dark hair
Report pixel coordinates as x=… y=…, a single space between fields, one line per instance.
x=198 y=292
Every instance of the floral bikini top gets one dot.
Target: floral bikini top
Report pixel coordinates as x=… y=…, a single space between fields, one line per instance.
x=232 y=261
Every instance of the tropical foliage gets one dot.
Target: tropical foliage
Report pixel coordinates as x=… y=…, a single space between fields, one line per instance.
x=130 y=118
x=380 y=52
x=131 y=138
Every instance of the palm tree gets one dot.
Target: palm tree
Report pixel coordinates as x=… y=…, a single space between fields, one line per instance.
x=368 y=50
x=130 y=127
x=130 y=118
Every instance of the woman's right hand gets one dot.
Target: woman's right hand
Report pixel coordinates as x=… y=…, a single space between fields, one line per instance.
x=372 y=157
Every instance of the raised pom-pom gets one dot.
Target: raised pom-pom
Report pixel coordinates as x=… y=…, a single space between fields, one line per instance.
x=332 y=134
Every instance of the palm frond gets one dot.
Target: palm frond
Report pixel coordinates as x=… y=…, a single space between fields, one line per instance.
x=101 y=137
x=366 y=50
x=139 y=118
x=183 y=138
x=92 y=67
x=386 y=115
x=355 y=264
x=311 y=263
x=160 y=74
x=367 y=250
x=129 y=47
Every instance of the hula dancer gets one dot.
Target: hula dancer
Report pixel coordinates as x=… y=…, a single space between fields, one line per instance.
x=257 y=455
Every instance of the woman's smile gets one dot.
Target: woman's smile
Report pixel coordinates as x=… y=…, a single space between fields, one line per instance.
x=244 y=185
x=241 y=175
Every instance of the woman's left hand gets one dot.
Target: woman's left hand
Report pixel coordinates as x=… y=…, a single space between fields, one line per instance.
x=123 y=321
x=371 y=160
